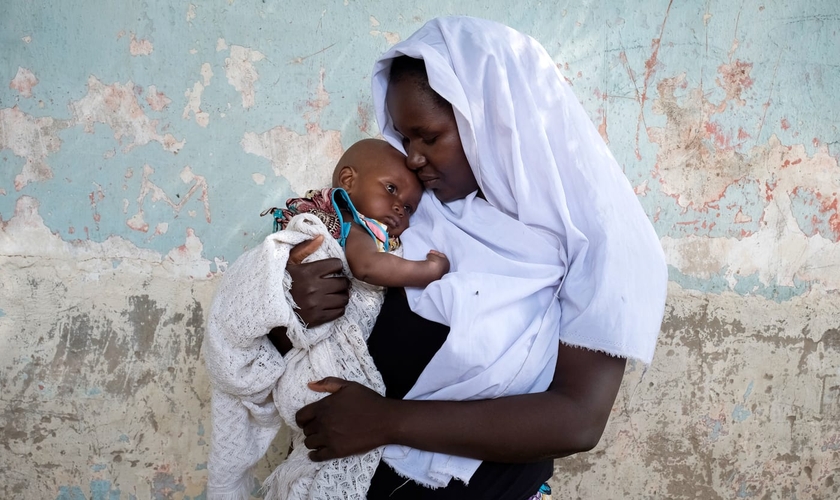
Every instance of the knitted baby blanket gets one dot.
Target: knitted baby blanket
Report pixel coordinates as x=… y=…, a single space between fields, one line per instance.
x=255 y=389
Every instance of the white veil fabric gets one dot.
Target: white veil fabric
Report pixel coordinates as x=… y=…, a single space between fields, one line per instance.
x=560 y=251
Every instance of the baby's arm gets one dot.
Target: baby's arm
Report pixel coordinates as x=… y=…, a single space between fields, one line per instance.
x=383 y=269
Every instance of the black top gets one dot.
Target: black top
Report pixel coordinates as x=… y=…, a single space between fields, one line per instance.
x=402 y=344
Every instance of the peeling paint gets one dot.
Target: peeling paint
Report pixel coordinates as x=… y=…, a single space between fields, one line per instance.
x=23 y=82
x=33 y=139
x=242 y=74
x=117 y=107
x=134 y=175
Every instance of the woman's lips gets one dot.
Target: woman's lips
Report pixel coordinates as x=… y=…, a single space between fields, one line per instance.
x=428 y=182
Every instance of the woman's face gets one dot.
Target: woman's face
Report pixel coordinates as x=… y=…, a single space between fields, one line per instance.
x=431 y=141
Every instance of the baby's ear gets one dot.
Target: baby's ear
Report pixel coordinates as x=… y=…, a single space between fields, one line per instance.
x=347 y=177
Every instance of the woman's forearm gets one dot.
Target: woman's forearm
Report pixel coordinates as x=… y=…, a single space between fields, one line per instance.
x=524 y=428
x=569 y=418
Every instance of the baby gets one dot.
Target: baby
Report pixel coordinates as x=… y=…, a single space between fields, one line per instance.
x=367 y=210
x=253 y=387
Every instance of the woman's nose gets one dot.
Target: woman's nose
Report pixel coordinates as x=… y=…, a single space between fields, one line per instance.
x=414 y=160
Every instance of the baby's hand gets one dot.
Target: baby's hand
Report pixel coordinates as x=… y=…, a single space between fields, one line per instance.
x=438 y=263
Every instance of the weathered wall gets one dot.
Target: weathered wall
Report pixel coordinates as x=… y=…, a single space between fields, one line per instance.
x=139 y=140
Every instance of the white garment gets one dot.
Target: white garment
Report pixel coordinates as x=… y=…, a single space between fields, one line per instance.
x=555 y=197
x=254 y=387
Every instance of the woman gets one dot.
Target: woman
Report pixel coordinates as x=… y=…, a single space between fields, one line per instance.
x=487 y=111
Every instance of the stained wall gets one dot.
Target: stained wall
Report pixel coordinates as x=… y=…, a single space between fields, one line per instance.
x=140 y=140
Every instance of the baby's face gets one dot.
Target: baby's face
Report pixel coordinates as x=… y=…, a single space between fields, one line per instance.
x=386 y=190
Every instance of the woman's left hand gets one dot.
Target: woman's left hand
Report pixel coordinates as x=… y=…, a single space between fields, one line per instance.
x=352 y=419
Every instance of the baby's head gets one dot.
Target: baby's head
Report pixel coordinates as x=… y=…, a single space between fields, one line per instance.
x=379 y=184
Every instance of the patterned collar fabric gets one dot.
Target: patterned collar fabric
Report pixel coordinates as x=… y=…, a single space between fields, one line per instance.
x=326 y=204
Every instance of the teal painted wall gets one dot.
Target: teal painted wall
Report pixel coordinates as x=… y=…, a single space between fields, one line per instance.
x=140 y=140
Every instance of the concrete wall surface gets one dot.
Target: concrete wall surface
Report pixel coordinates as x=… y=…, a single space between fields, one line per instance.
x=139 y=140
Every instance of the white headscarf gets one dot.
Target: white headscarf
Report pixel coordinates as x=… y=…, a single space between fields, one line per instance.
x=568 y=217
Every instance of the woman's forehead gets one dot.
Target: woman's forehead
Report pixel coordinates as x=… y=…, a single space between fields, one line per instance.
x=411 y=105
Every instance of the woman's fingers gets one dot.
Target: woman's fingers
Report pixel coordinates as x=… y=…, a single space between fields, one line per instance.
x=319 y=291
x=346 y=422
x=321 y=454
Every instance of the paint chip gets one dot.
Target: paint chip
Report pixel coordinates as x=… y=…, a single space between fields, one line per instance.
x=157 y=100
x=141 y=47
x=23 y=82
x=242 y=74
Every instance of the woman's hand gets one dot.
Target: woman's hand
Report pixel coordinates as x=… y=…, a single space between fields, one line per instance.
x=318 y=288
x=352 y=419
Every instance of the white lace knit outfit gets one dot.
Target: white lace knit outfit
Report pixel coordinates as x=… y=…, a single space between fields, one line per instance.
x=254 y=388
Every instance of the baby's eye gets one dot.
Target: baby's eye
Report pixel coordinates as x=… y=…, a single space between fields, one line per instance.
x=391 y=188
x=408 y=209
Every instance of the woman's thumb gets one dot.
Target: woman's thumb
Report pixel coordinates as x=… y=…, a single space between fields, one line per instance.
x=305 y=249
x=329 y=384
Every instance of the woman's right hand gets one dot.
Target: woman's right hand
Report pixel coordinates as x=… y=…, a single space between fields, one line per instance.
x=318 y=288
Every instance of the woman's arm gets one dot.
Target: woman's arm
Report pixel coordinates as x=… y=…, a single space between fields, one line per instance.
x=568 y=418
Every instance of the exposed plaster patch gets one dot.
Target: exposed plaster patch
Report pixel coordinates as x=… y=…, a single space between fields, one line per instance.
x=190 y=12
x=780 y=252
x=221 y=45
x=390 y=37
x=241 y=73
x=33 y=139
x=287 y=151
x=157 y=100
x=734 y=79
x=194 y=97
x=150 y=189
x=23 y=82
x=692 y=169
x=140 y=47
x=26 y=39
x=116 y=106
x=206 y=73
x=187 y=258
